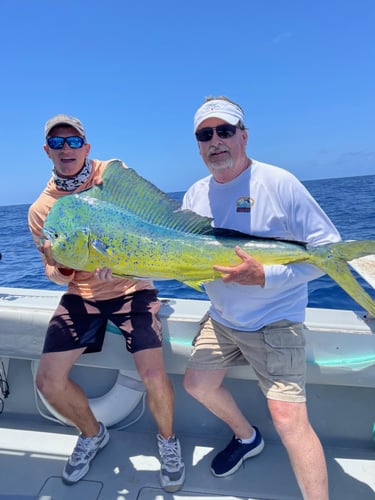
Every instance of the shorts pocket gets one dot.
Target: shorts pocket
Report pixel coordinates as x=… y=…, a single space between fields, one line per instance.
x=202 y=322
x=285 y=350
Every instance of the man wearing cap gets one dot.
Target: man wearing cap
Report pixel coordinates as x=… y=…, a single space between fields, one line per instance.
x=79 y=322
x=256 y=311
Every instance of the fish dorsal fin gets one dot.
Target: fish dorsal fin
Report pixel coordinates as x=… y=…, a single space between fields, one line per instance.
x=126 y=189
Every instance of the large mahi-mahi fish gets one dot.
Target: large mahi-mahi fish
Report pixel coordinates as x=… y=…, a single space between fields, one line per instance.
x=130 y=226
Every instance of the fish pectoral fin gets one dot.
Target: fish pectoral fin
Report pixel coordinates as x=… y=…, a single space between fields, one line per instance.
x=197 y=285
x=99 y=247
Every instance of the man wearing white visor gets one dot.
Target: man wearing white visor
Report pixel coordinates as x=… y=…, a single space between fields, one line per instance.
x=256 y=312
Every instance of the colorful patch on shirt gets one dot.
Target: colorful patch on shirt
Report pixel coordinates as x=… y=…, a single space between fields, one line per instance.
x=244 y=204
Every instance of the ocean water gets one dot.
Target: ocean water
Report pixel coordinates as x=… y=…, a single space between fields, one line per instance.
x=348 y=201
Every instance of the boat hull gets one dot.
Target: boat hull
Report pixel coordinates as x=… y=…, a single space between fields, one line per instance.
x=341 y=404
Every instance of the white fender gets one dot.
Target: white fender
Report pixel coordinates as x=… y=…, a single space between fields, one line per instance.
x=112 y=407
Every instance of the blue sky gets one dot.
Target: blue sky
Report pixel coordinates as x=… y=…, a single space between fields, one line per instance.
x=136 y=71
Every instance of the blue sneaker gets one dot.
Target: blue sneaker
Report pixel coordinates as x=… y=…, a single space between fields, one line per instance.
x=85 y=450
x=232 y=457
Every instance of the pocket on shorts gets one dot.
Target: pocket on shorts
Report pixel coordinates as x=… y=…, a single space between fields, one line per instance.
x=285 y=349
x=202 y=321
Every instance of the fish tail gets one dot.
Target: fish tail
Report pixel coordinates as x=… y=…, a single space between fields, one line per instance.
x=333 y=258
x=349 y=250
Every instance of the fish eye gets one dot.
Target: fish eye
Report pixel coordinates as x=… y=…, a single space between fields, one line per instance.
x=56 y=235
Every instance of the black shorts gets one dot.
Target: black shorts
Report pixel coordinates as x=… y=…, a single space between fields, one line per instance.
x=79 y=322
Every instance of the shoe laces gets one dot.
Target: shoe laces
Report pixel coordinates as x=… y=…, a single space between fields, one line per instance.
x=233 y=445
x=169 y=452
x=82 y=449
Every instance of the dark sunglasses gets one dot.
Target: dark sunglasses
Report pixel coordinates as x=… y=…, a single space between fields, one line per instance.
x=224 y=131
x=73 y=142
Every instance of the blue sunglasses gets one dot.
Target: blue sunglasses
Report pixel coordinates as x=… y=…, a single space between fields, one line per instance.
x=73 y=142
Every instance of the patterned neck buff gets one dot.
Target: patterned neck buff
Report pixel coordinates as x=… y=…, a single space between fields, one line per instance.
x=71 y=183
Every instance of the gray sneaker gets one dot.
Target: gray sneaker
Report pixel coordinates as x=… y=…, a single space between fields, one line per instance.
x=85 y=450
x=172 y=468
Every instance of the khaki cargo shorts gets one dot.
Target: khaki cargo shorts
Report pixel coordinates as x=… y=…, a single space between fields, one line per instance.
x=276 y=353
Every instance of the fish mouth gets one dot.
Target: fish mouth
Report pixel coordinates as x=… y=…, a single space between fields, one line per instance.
x=49 y=234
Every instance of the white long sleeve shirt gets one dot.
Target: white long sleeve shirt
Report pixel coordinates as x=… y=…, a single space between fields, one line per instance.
x=264 y=201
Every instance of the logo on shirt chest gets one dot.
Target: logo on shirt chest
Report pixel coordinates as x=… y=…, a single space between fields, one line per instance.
x=244 y=204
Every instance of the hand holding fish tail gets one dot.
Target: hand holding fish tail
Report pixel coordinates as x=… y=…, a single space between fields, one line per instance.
x=249 y=272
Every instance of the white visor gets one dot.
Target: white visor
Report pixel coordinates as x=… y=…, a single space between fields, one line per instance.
x=218 y=108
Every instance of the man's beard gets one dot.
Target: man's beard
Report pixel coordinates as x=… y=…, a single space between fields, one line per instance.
x=222 y=165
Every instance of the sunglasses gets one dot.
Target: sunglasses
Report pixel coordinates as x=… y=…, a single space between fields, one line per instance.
x=224 y=131
x=73 y=142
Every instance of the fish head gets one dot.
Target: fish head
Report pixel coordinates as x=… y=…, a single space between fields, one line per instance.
x=69 y=248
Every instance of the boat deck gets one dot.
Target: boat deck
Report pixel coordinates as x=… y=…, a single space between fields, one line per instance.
x=341 y=403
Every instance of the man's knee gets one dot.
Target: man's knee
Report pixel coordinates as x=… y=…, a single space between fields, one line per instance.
x=154 y=378
x=193 y=385
x=46 y=385
x=49 y=381
x=287 y=416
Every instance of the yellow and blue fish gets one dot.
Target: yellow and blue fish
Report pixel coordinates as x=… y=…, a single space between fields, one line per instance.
x=130 y=226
